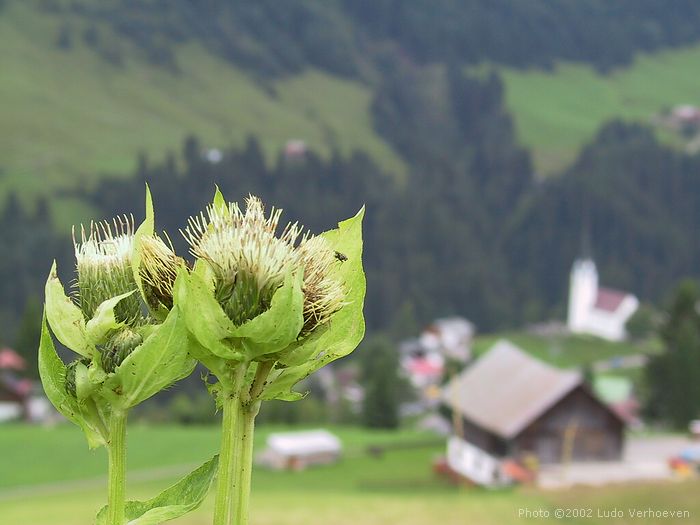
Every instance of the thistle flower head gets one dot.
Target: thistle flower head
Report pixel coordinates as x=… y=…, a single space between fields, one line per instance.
x=158 y=270
x=324 y=294
x=248 y=259
x=103 y=258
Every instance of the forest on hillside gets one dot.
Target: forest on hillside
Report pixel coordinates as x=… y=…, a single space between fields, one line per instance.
x=469 y=229
x=345 y=37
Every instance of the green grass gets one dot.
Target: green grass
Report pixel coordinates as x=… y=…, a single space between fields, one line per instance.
x=566 y=351
x=396 y=488
x=556 y=113
x=37 y=460
x=69 y=116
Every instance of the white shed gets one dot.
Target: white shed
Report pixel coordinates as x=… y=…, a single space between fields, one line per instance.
x=298 y=450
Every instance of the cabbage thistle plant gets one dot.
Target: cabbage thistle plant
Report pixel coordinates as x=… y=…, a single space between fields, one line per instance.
x=262 y=309
x=265 y=309
x=129 y=342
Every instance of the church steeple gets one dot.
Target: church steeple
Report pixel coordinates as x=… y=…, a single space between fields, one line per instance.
x=586 y=247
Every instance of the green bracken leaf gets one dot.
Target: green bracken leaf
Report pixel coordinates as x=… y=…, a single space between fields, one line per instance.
x=160 y=361
x=183 y=497
x=65 y=318
x=53 y=377
x=345 y=329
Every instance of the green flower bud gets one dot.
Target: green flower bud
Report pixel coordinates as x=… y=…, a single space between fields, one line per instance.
x=249 y=262
x=118 y=347
x=104 y=268
x=70 y=384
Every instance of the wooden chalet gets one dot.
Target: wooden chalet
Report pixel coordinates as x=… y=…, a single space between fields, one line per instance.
x=513 y=405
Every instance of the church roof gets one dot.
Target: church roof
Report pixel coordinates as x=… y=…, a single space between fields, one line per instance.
x=609 y=300
x=507 y=389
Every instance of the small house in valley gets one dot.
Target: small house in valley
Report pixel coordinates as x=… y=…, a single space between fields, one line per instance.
x=299 y=450
x=510 y=405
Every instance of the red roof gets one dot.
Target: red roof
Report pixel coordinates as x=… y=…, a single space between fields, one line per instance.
x=9 y=359
x=423 y=367
x=609 y=299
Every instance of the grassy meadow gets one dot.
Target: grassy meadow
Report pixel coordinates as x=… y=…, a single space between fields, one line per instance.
x=47 y=477
x=557 y=112
x=69 y=115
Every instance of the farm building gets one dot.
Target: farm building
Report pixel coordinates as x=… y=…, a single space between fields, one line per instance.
x=513 y=405
x=298 y=450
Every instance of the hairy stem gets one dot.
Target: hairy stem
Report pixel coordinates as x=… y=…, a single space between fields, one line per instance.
x=226 y=483
x=116 y=449
x=245 y=426
x=240 y=407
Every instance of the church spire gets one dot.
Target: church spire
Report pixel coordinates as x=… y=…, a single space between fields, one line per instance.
x=586 y=248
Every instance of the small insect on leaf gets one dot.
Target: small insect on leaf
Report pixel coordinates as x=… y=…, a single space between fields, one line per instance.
x=341 y=256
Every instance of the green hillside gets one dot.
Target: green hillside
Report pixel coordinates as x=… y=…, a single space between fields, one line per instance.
x=557 y=112
x=70 y=114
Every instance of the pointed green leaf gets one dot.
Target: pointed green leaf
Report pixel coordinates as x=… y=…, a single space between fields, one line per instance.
x=145 y=229
x=53 y=378
x=183 y=497
x=204 y=317
x=344 y=331
x=104 y=320
x=160 y=361
x=279 y=325
x=219 y=202
x=66 y=320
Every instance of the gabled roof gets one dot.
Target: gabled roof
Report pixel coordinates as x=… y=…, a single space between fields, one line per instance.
x=507 y=389
x=609 y=300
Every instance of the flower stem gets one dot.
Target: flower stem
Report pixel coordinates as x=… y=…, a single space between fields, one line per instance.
x=240 y=406
x=226 y=483
x=116 y=450
x=245 y=427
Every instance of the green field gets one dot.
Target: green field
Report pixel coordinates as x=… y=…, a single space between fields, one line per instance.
x=557 y=113
x=42 y=469
x=68 y=116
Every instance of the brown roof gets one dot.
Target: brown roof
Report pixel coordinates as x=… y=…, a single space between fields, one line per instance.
x=608 y=299
x=507 y=389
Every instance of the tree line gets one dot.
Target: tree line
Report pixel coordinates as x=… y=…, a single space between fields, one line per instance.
x=271 y=38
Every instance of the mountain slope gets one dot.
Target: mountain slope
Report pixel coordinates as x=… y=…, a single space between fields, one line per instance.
x=557 y=112
x=69 y=114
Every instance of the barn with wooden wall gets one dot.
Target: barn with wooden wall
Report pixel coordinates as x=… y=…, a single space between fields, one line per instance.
x=511 y=405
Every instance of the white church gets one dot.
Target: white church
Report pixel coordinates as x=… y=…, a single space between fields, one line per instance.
x=595 y=310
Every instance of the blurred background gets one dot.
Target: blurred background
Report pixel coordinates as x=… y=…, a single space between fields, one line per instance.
x=532 y=183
